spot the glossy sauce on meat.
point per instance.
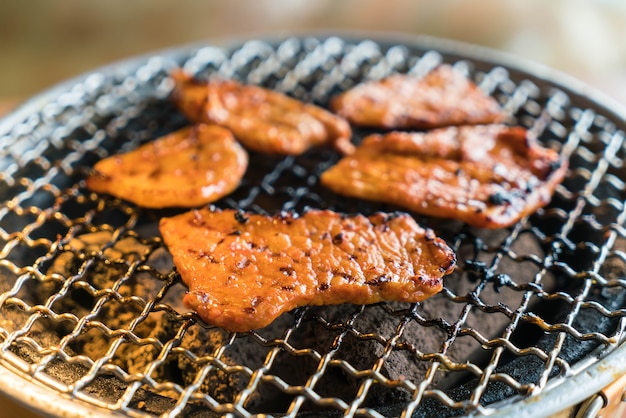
(442, 97)
(244, 270)
(261, 119)
(188, 168)
(487, 176)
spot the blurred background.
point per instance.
(44, 42)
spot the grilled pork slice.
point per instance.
(244, 270)
(188, 168)
(261, 119)
(487, 176)
(443, 97)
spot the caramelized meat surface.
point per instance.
(244, 270)
(487, 176)
(261, 119)
(188, 168)
(443, 97)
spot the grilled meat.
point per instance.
(443, 97)
(487, 176)
(244, 270)
(188, 168)
(261, 119)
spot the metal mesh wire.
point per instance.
(90, 303)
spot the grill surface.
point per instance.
(90, 303)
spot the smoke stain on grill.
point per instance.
(478, 270)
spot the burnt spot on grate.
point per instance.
(90, 303)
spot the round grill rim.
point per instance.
(611, 363)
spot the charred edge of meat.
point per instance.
(378, 280)
(554, 166)
(239, 217)
(500, 198)
(286, 216)
(287, 271)
(100, 175)
(350, 278)
(451, 263)
(429, 235)
(199, 254)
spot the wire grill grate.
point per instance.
(90, 305)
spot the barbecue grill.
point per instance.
(91, 322)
